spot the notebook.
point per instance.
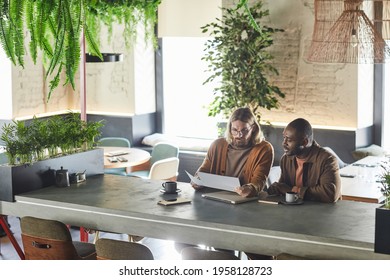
(228, 197)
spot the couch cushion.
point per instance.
(372, 150)
(184, 143)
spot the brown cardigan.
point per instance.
(321, 178)
(256, 168)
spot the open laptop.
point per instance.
(228, 197)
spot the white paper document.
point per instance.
(215, 181)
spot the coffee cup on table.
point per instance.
(291, 197)
(170, 187)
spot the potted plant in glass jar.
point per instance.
(382, 214)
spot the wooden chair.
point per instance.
(110, 249)
(51, 240)
(195, 253)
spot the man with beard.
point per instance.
(243, 153)
(306, 168)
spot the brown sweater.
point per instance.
(256, 168)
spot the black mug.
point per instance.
(170, 187)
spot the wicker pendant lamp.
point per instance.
(343, 33)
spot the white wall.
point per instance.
(185, 17)
(6, 86)
(326, 94)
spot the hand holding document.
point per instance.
(215, 181)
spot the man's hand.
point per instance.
(245, 191)
(196, 187)
(296, 189)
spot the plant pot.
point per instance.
(18, 179)
(382, 230)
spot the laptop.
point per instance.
(228, 197)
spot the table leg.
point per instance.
(83, 235)
(11, 237)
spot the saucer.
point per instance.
(299, 201)
(176, 192)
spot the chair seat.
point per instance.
(115, 171)
(140, 173)
(51, 240)
(110, 249)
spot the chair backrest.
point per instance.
(162, 151)
(114, 142)
(46, 240)
(110, 249)
(195, 253)
(274, 175)
(164, 169)
(341, 163)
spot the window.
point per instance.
(185, 97)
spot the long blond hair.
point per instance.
(245, 115)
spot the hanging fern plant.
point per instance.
(55, 28)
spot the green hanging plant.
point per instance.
(55, 28)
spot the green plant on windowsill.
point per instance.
(384, 178)
(55, 28)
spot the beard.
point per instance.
(240, 143)
(295, 151)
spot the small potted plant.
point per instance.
(385, 187)
(382, 214)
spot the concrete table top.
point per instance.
(344, 230)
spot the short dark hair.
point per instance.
(303, 128)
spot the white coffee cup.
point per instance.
(291, 197)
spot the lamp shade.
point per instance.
(343, 33)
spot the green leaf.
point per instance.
(6, 32)
(238, 57)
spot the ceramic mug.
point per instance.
(170, 187)
(291, 197)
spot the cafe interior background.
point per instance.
(161, 90)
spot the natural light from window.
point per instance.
(185, 98)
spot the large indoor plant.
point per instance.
(238, 58)
(55, 28)
(382, 214)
